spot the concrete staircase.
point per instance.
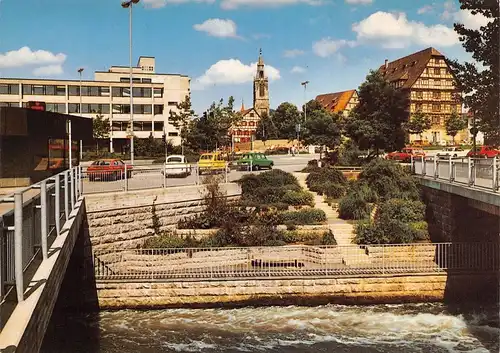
(341, 229)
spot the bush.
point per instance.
(397, 222)
(92, 156)
(303, 217)
(298, 198)
(389, 180)
(328, 238)
(333, 190)
(354, 206)
(170, 240)
(324, 175)
(312, 166)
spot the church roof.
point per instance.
(408, 68)
(335, 102)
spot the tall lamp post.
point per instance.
(129, 4)
(80, 71)
(305, 83)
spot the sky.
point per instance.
(330, 43)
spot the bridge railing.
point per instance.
(293, 261)
(473, 172)
(31, 219)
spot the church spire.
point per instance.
(261, 61)
(242, 106)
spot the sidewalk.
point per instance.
(342, 230)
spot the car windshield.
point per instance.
(101, 163)
(206, 157)
(247, 156)
(174, 160)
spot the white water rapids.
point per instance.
(422, 328)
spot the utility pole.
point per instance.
(305, 83)
(128, 5)
(80, 71)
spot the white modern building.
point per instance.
(154, 95)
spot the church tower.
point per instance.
(261, 89)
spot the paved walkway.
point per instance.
(341, 229)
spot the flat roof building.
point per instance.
(154, 95)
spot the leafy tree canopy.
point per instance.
(480, 83)
(377, 121)
(266, 129)
(455, 123)
(418, 123)
(322, 128)
(285, 117)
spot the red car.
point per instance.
(406, 154)
(483, 152)
(108, 170)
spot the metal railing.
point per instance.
(293, 261)
(32, 219)
(473, 172)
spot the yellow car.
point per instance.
(211, 162)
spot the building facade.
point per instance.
(339, 102)
(432, 91)
(154, 95)
(246, 128)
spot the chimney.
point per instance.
(386, 63)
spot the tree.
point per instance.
(418, 123)
(480, 83)
(266, 129)
(322, 128)
(211, 130)
(181, 119)
(100, 129)
(455, 123)
(377, 121)
(285, 117)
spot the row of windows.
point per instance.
(427, 95)
(447, 108)
(9, 89)
(9, 104)
(94, 108)
(138, 109)
(73, 90)
(434, 82)
(244, 123)
(44, 90)
(141, 126)
(135, 80)
(436, 71)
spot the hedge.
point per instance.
(303, 217)
(316, 179)
(354, 206)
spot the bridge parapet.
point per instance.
(32, 219)
(480, 173)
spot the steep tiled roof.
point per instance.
(335, 102)
(410, 67)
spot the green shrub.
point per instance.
(389, 180)
(298, 198)
(304, 216)
(406, 211)
(368, 233)
(333, 190)
(170, 240)
(328, 238)
(316, 179)
(354, 206)
(363, 190)
(277, 177)
(312, 166)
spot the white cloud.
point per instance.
(298, 70)
(327, 47)
(217, 27)
(359, 2)
(25, 56)
(292, 53)
(449, 10)
(234, 4)
(231, 71)
(425, 9)
(469, 20)
(49, 70)
(394, 30)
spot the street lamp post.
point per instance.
(80, 71)
(129, 4)
(305, 83)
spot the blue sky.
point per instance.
(331, 43)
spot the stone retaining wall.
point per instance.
(230, 293)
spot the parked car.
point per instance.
(212, 162)
(254, 159)
(108, 170)
(454, 152)
(484, 152)
(176, 165)
(406, 154)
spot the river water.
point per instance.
(424, 328)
